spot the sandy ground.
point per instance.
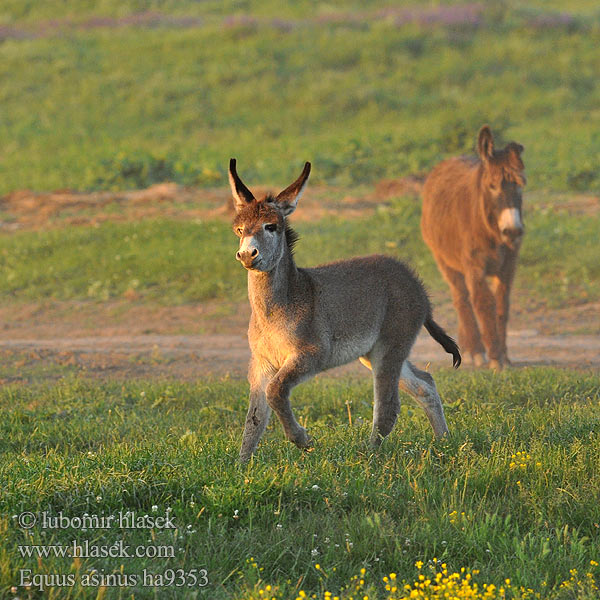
(189, 342)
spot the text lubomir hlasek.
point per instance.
(121, 520)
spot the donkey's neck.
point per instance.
(275, 290)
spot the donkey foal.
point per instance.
(305, 321)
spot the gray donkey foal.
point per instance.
(305, 321)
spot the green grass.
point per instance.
(99, 448)
(119, 108)
(30, 12)
(174, 262)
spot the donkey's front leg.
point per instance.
(293, 372)
(485, 309)
(501, 285)
(501, 293)
(258, 413)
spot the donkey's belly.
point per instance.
(346, 349)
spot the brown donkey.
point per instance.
(473, 224)
(305, 321)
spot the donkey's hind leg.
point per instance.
(421, 387)
(386, 374)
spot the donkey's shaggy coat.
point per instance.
(305, 321)
(473, 224)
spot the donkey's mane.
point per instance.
(291, 237)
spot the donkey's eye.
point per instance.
(271, 227)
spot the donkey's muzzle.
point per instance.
(512, 233)
(247, 257)
(512, 237)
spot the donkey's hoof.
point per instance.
(375, 443)
(376, 440)
(495, 364)
(478, 360)
(441, 433)
(302, 439)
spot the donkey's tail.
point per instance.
(442, 338)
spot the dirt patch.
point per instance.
(582, 204)
(126, 340)
(25, 209)
(191, 357)
(28, 210)
(411, 185)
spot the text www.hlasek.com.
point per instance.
(86, 550)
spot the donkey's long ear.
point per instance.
(241, 194)
(288, 199)
(516, 147)
(485, 143)
(516, 162)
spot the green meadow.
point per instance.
(174, 262)
(511, 494)
(278, 83)
(91, 99)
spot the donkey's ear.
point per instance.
(514, 158)
(517, 148)
(288, 199)
(485, 143)
(241, 194)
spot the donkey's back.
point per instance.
(371, 285)
(360, 302)
(450, 203)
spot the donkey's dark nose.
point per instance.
(246, 257)
(512, 233)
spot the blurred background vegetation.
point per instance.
(112, 95)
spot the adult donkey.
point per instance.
(307, 320)
(473, 224)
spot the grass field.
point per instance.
(173, 262)
(472, 501)
(111, 96)
(122, 106)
